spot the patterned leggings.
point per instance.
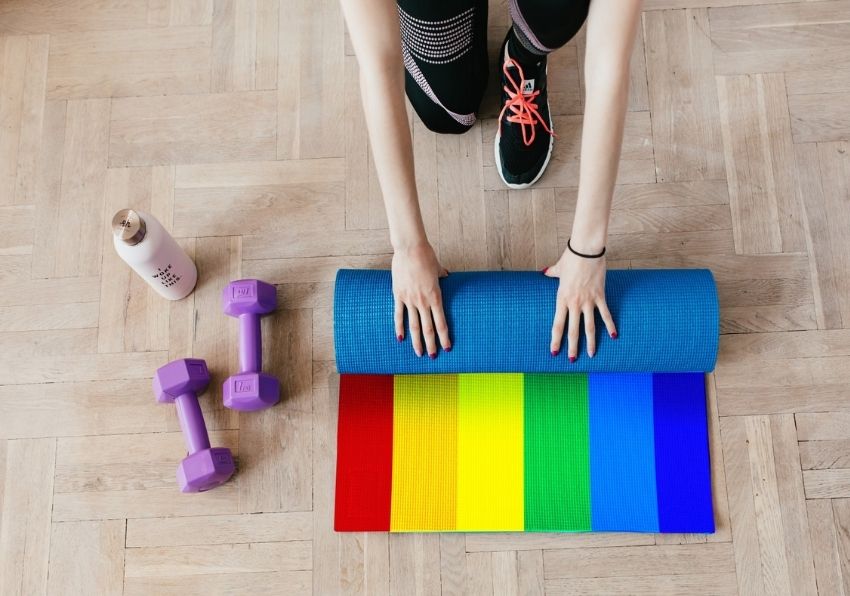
(444, 47)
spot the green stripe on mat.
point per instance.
(557, 460)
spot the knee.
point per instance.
(552, 22)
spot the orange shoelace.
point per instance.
(523, 108)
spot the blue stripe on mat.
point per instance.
(622, 453)
(683, 478)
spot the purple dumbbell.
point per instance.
(180, 382)
(251, 389)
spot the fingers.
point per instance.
(399, 320)
(428, 331)
(590, 330)
(607, 318)
(558, 327)
(442, 326)
(415, 329)
(573, 333)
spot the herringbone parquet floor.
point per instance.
(238, 124)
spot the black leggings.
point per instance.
(444, 46)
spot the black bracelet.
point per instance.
(579, 254)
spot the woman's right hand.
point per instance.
(416, 288)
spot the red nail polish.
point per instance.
(432, 356)
(400, 338)
(544, 270)
(614, 335)
(572, 359)
(449, 349)
(555, 352)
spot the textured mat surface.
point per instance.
(668, 320)
(523, 452)
(504, 437)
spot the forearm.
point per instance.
(374, 30)
(611, 29)
(392, 149)
(602, 138)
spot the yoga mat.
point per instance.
(667, 321)
(500, 435)
(523, 452)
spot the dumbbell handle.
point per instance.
(250, 343)
(192, 422)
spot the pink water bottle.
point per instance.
(149, 249)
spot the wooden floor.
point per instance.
(238, 124)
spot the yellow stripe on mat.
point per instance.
(490, 452)
(424, 491)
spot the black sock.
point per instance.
(520, 53)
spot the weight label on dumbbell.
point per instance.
(243, 291)
(242, 386)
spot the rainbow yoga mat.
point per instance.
(524, 451)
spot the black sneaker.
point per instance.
(525, 137)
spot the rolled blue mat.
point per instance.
(667, 321)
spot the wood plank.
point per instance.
(622, 561)
(244, 45)
(310, 101)
(682, 95)
(173, 561)
(823, 426)
(819, 117)
(118, 476)
(139, 62)
(821, 455)
(326, 542)
(77, 315)
(827, 484)
(44, 16)
(87, 557)
(783, 37)
(824, 184)
(81, 367)
(23, 67)
(272, 583)
(25, 519)
(185, 129)
(276, 443)
(215, 336)
(760, 166)
(824, 536)
(219, 529)
(462, 213)
(498, 541)
(841, 513)
(453, 577)
(649, 585)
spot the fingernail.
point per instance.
(544, 270)
(555, 352)
(572, 359)
(592, 354)
(400, 338)
(432, 356)
(449, 349)
(614, 335)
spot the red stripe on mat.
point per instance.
(364, 453)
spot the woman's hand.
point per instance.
(416, 288)
(580, 292)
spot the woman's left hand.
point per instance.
(580, 292)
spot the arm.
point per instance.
(374, 30)
(611, 27)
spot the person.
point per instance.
(435, 51)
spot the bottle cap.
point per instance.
(128, 227)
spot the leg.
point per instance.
(525, 136)
(542, 26)
(444, 46)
